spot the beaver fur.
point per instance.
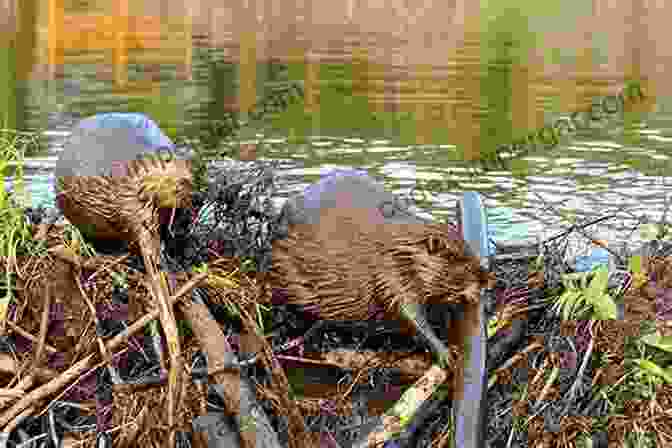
(109, 182)
(349, 264)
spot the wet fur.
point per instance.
(115, 207)
(349, 263)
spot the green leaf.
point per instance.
(598, 284)
(572, 309)
(658, 341)
(635, 264)
(494, 325)
(571, 281)
(604, 307)
(567, 301)
(654, 369)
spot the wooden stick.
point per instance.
(44, 324)
(12, 425)
(77, 369)
(210, 335)
(158, 284)
(25, 334)
(397, 418)
(101, 345)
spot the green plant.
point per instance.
(74, 240)
(247, 422)
(184, 328)
(263, 312)
(520, 423)
(248, 265)
(263, 315)
(519, 392)
(586, 297)
(537, 264)
(166, 110)
(584, 441)
(652, 372)
(494, 325)
(15, 230)
(119, 280)
(635, 266)
(639, 439)
(658, 341)
(651, 357)
(641, 378)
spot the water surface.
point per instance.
(415, 108)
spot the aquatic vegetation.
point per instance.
(15, 230)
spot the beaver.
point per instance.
(352, 248)
(110, 167)
(351, 251)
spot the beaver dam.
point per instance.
(82, 357)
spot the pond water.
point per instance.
(416, 126)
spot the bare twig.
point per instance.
(107, 267)
(582, 231)
(210, 335)
(131, 434)
(25, 334)
(101, 345)
(574, 227)
(511, 361)
(396, 419)
(547, 387)
(12, 424)
(44, 324)
(662, 226)
(14, 393)
(159, 289)
(80, 367)
(579, 375)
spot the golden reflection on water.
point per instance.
(469, 76)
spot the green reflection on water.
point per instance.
(8, 98)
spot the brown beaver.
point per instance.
(343, 258)
(109, 178)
